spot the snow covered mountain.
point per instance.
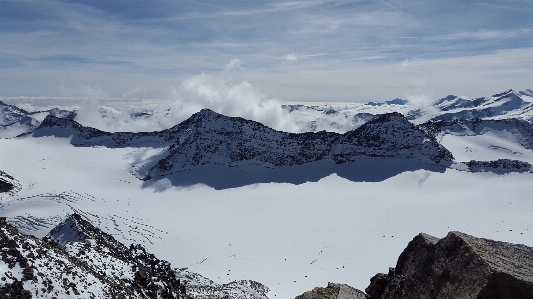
(208, 139)
(15, 121)
(78, 259)
(346, 116)
(509, 104)
(232, 199)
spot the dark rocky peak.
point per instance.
(457, 266)
(72, 229)
(391, 135)
(75, 228)
(8, 184)
(209, 121)
(511, 97)
(384, 127)
(51, 121)
(503, 94)
(68, 114)
(393, 119)
(13, 108)
(92, 269)
(454, 102)
(333, 291)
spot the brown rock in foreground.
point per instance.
(333, 291)
(458, 266)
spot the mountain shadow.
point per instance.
(364, 169)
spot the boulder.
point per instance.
(333, 291)
(457, 266)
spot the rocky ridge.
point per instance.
(78, 259)
(456, 266)
(211, 138)
(14, 121)
(508, 104)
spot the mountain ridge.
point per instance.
(98, 266)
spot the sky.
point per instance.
(312, 50)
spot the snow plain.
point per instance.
(289, 237)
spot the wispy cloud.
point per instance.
(484, 34)
(155, 46)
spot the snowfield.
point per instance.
(289, 237)
(322, 222)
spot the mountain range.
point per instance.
(230, 198)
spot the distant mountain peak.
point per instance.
(73, 229)
(52, 121)
(504, 93)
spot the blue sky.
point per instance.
(313, 50)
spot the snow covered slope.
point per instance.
(15, 121)
(485, 139)
(292, 226)
(509, 104)
(92, 263)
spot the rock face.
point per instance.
(15, 121)
(499, 166)
(457, 266)
(78, 260)
(8, 184)
(210, 138)
(333, 291)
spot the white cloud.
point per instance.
(291, 57)
(233, 65)
(230, 98)
(483, 34)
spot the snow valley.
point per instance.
(229, 198)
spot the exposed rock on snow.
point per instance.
(390, 135)
(15, 121)
(457, 266)
(92, 263)
(215, 139)
(499, 166)
(209, 139)
(8, 184)
(333, 291)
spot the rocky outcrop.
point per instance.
(210, 138)
(499, 166)
(333, 291)
(8, 185)
(457, 266)
(78, 260)
(215, 139)
(15, 121)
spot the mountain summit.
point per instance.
(92, 264)
(209, 138)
